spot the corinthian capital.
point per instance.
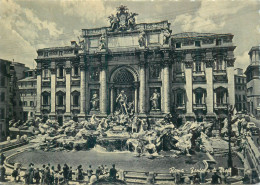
(230, 62)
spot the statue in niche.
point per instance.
(155, 100)
(166, 36)
(122, 100)
(94, 101)
(102, 41)
(141, 39)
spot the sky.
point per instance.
(28, 25)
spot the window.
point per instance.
(179, 97)
(60, 100)
(76, 71)
(178, 45)
(2, 81)
(219, 64)
(221, 96)
(46, 54)
(60, 53)
(76, 100)
(61, 71)
(2, 96)
(198, 66)
(31, 93)
(25, 103)
(244, 97)
(31, 103)
(198, 97)
(45, 73)
(238, 80)
(32, 84)
(178, 66)
(218, 42)
(45, 98)
(2, 112)
(197, 43)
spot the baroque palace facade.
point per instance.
(190, 75)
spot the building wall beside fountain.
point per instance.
(190, 75)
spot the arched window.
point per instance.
(46, 98)
(124, 76)
(60, 98)
(75, 98)
(220, 64)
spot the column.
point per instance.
(68, 94)
(166, 87)
(230, 76)
(53, 89)
(82, 87)
(209, 79)
(112, 99)
(136, 99)
(103, 86)
(142, 89)
(188, 77)
(39, 92)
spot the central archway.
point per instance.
(124, 79)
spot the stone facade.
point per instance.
(5, 78)
(17, 71)
(253, 82)
(240, 90)
(190, 75)
(27, 97)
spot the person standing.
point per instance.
(89, 172)
(37, 176)
(112, 172)
(98, 172)
(2, 158)
(215, 179)
(70, 174)
(2, 173)
(42, 174)
(65, 172)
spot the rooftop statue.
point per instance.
(123, 20)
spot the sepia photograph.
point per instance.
(129, 92)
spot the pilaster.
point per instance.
(53, 89)
(209, 61)
(68, 92)
(82, 114)
(188, 76)
(103, 85)
(166, 82)
(39, 92)
(142, 96)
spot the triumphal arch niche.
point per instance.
(127, 66)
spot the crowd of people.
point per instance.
(61, 174)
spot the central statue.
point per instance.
(122, 100)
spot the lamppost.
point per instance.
(230, 112)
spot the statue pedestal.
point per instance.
(156, 112)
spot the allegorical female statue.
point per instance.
(155, 100)
(94, 101)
